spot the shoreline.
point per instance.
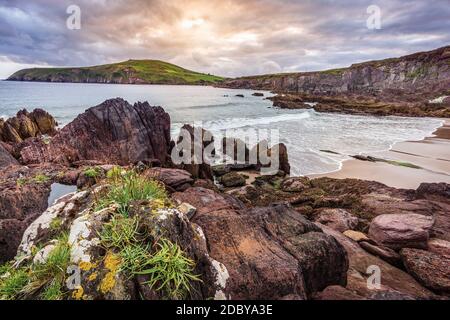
(412, 163)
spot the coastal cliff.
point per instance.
(127, 72)
(426, 73)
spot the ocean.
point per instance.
(307, 134)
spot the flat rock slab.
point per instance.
(397, 231)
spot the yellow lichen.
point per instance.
(85, 266)
(93, 277)
(111, 263)
(78, 293)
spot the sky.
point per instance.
(223, 37)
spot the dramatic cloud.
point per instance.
(226, 37)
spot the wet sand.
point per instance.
(431, 154)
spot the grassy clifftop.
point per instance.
(127, 72)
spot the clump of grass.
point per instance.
(43, 280)
(41, 178)
(56, 224)
(131, 187)
(120, 232)
(170, 271)
(92, 172)
(50, 276)
(134, 257)
(12, 283)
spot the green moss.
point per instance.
(21, 182)
(92, 172)
(56, 224)
(41, 178)
(403, 164)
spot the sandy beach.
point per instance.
(432, 155)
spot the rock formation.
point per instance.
(113, 132)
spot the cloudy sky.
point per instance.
(223, 37)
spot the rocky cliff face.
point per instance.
(425, 72)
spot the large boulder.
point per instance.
(232, 179)
(398, 231)
(271, 252)
(175, 179)
(430, 269)
(114, 132)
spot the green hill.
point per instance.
(127, 72)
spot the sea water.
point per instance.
(307, 134)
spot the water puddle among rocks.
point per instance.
(59, 190)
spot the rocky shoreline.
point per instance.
(237, 235)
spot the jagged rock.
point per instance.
(398, 231)
(232, 179)
(262, 248)
(439, 246)
(337, 219)
(384, 253)
(113, 132)
(258, 94)
(176, 179)
(392, 278)
(27, 125)
(236, 149)
(278, 150)
(202, 141)
(430, 269)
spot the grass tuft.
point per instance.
(131, 187)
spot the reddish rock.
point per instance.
(113, 132)
(175, 179)
(338, 219)
(392, 278)
(439, 246)
(6, 159)
(398, 231)
(269, 253)
(337, 293)
(430, 269)
(11, 231)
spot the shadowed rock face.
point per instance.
(6, 159)
(114, 132)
